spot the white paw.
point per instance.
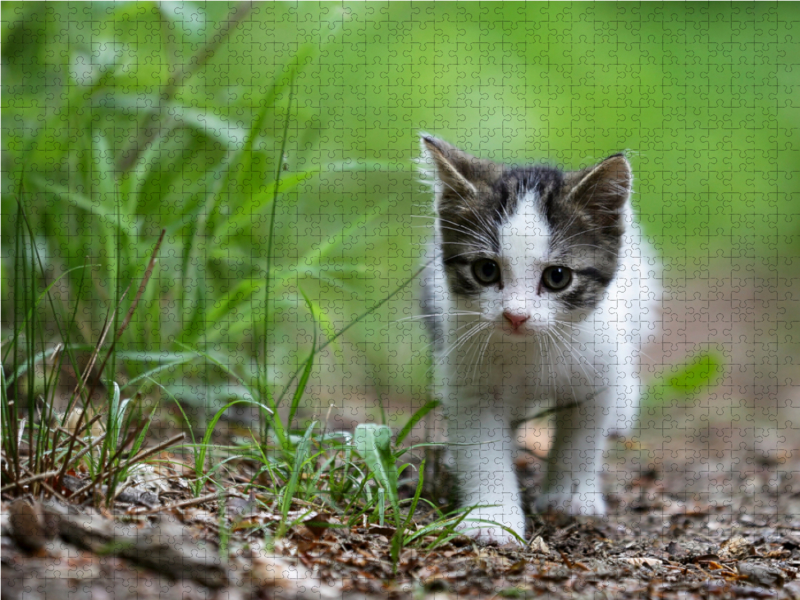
(587, 503)
(484, 526)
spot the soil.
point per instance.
(167, 544)
(704, 504)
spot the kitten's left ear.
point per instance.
(604, 189)
(461, 173)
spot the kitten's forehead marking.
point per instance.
(525, 237)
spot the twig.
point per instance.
(28, 480)
(182, 504)
(79, 388)
(95, 442)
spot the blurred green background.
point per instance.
(126, 118)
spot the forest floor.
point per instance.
(706, 504)
(732, 532)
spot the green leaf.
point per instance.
(703, 371)
(374, 443)
(108, 215)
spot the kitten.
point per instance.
(537, 301)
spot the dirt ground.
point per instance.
(704, 503)
(654, 544)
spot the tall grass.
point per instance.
(228, 259)
(39, 444)
(317, 471)
(224, 275)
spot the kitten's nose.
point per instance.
(515, 320)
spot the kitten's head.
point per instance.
(527, 247)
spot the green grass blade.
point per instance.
(291, 486)
(417, 494)
(415, 418)
(38, 301)
(270, 240)
(361, 317)
(155, 370)
(200, 459)
(301, 387)
(224, 368)
(109, 215)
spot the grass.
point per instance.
(228, 258)
(192, 81)
(40, 446)
(308, 468)
(331, 471)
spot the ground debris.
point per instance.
(53, 550)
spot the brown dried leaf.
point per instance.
(736, 548)
(27, 525)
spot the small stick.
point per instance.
(31, 479)
(181, 504)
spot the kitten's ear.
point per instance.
(603, 189)
(457, 172)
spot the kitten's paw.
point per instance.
(490, 533)
(589, 503)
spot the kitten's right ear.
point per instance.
(602, 190)
(456, 171)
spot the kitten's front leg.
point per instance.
(576, 459)
(483, 448)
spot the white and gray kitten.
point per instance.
(537, 299)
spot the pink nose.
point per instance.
(515, 320)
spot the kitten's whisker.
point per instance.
(459, 340)
(474, 350)
(461, 253)
(478, 231)
(417, 318)
(484, 346)
(567, 374)
(573, 350)
(581, 326)
(551, 374)
(439, 314)
(463, 340)
(454, 331)
(461, 333)
(476, 234)
(564, 229)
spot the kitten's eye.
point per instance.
(486, 271)
(556, 278)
